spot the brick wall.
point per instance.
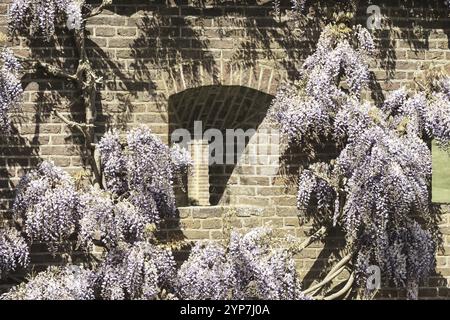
(167, 65)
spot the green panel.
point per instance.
(441, 175)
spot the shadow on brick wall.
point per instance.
(219, 108)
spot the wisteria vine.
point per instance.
(144, 170)
(250, 267)
(56, 283)
(40, 17)
(376, 189)
(10, 86)
(54, 209)
(13, 251)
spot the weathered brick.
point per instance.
(196, 234)
(252, 222)
(256, 180)
(126, 32)
(287, 211)
(120, 42)
(212, 224)
(253, 201)
(216, 235)
(191, 224)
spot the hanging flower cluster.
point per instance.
(56, 283)
(13, 250)
(47, 201)
(53, 209)
(138, 271)
(41, 16)
(377, 187)
(114, 165)
(316, 195)
(181, 160)
(107, 221)
(144, 171)
(338, 55)
(10, 86)
(306, 110)
(131, 271)
(387, 186)
(301, 117)
(444, 86)
(422, 115)
(208, 274)
(437, 121)
(250, 267)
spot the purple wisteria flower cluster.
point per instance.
(56, 283)
(53, 208)
(316, 195)
(47, 201)
(137, 271)
(10, 87)
(383, 200)
(144, 170)
(140, 190)
(249, 268)
(41, 17)
(208, 274)
(114, 164)
(376, 189)
(338, 56)
(106, 221)
(422, 115)
(13, 250)
(97, 219)
(130, 271)
(301, 117)
(181, 160)
(444, 86)
(437, 121)
(306, 110)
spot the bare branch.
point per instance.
(99, 9)
(72, 124)
(330, 277)
(297, 248)
(88, 81)
(344, 290)
(421, 86)
(56, 71)
(334, 272)
(51, 69)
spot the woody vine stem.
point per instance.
(87, 83)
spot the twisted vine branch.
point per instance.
(344, 290)
(334, 272)
(98, 10)
(297, 248)
(87, 83)
(49, 68)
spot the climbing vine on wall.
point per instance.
(375, 190)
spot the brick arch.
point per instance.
(222, 107)
(187, 75)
